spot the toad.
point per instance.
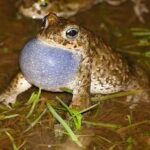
(64, 54)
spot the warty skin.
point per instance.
(101, 70)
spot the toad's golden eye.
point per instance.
(72, 33)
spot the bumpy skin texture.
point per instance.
(101, 69)
(63, 8)
(67, 8)
(17, 86)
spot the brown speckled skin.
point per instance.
(53, 34)
(68, 8)
(65, 8)
(17, 86)
(102, 70)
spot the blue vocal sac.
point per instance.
(47, 67)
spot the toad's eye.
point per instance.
(72, 33)
(44, 4)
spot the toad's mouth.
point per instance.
(48, 67)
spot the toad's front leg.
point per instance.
(17, 86)
(81, 92)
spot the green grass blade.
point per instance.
(75, 115)
(147, 54)
(12, 140)
(89, 108)
(32, 98)
(64, 89)
(141, 34)
(64, 124)
(133, 125)
(130, 143)
(3, 117)
(119, 94)
(64, 105)
(77, 118)
(105, 125)
(129, 119)
(35, 102)
(139, 29)
(36, 121)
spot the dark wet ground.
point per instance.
(112, 23)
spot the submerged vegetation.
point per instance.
(22, 120)
(142, 40)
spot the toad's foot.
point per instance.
(17, 86)
(8, 99)
(139, 9)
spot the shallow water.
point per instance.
(112, 24)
